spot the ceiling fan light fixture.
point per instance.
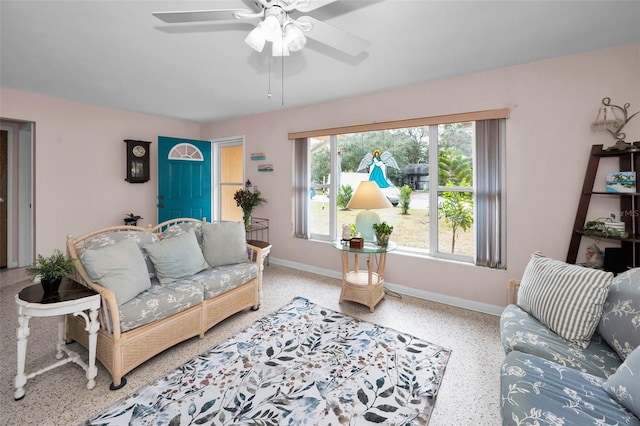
(256, 38)
(280, 47)
(294, 38)
(271, 28)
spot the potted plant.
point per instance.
(382, 230)
(51, 270)
(605, 227)
(132, 219)
(248, 200)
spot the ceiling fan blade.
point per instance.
(334, 37)
(200, 15)
(313, 5)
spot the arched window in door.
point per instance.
(185, 152)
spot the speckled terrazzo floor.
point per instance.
(469, 394)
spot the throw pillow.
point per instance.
(620, 322)
(182, 228)
(624, 384)
(224, 243)
(177, 257)
(566, 298)
(119, 267)
(108, 238)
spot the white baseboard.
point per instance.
(408, 291)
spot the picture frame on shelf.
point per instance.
(618, 182)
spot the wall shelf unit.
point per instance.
(628, 160)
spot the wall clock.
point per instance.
(137, 161)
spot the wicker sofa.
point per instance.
(166, 304)
(549, 380)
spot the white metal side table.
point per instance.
(71, 298)
(365, 287)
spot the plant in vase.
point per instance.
(605, 227)
(51, 270)
(248, 200)
(132, 219)
(382, 230)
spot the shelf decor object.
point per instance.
(613, 118)
(621, 182)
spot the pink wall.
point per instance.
(80, 164)
(80, 160)
(552, 105)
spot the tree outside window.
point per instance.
(440, 213)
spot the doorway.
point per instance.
(17, 190)
(229, 160)
(184, 178)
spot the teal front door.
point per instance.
(184, 178)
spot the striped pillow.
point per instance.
(568, 299)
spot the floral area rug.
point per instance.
(301, 365)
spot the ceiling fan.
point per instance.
(274, 23)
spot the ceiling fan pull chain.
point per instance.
(269, 62)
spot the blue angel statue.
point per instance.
(377, 162)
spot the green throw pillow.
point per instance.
(567, 298)
(224, 243)
(176, 257)
(120, 267)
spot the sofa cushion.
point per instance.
(142, 238)
(182, 228)
(177, 257)
(624, 386)
(620, 322)
(520, 331)
(158, 302)
(221, 279)
(538, 391)
(119, 267)
(566, 298)
(224, 243)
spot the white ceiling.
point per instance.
(116, 54)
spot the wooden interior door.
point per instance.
(3, 197)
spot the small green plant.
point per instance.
(598, 227)
(56, 266)
(353, 231)
(405, 198)
(132, 217)
(344, 196)
(457, 210)
(382, 228)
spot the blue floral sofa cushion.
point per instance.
(160, 301)
(520, 331)
(536, 391)
(220, 279)
(620, 322)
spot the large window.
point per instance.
(444, 184)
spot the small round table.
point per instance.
(71, 298)
(364, 287)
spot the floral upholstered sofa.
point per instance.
(572, 339)
(162, 285)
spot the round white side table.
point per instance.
(71, 298)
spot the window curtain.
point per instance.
(490, 194)
(301, 187)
